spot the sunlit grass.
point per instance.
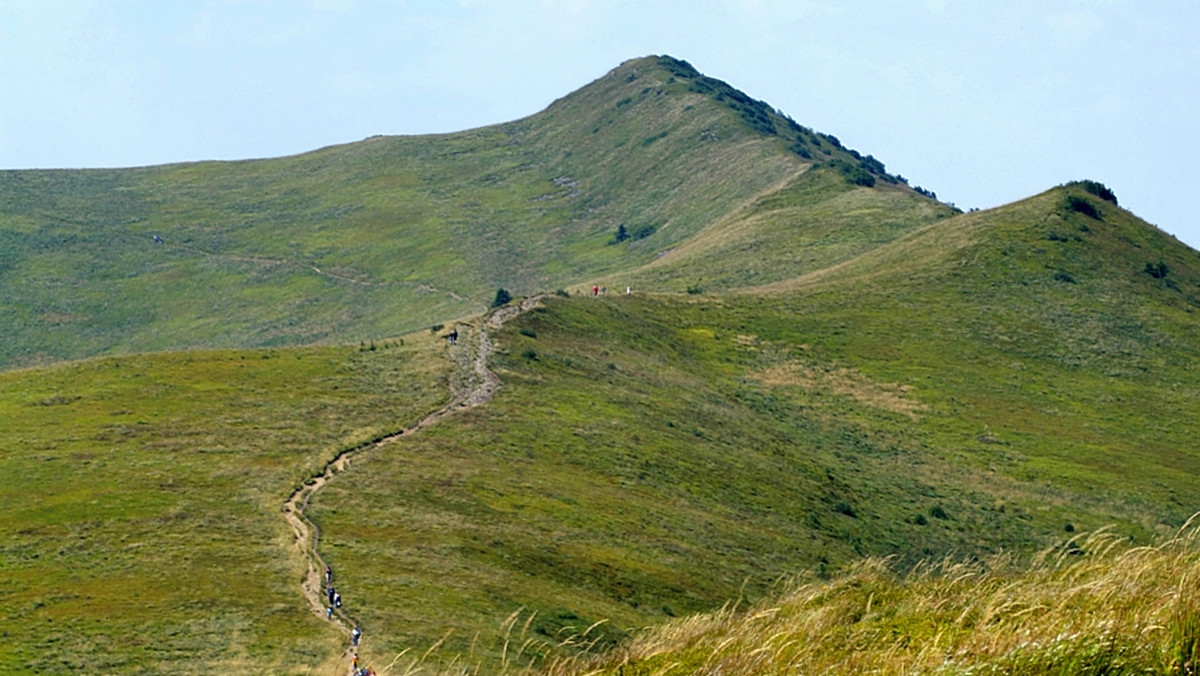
(389, 234)
(140, 525)
(1093, 605)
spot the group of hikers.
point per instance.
(598, 290)
(335, 601)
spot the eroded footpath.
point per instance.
(472, 384)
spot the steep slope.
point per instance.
(811, 222)
(950, 393)
(393, 233)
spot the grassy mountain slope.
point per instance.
(139, 502)
(654, 455)
(1096, 608)
(648, 455)
(371, 239)
(815, 220)
(882, 378)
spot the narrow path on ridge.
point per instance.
(471, 383)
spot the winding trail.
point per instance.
(471, 384)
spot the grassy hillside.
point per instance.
(855, 370)
(1097, 608)
(652, 456)
(394, 233)
(813, 221)
(139, 502)
(994, 381)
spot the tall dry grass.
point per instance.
(1093, 605)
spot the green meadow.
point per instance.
(140, 525)
(823, 381)
(393, 234)
(656, 455)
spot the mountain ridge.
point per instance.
(811, 370)
(370, 239)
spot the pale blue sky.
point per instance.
(982, 101)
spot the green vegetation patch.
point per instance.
(140, 528)
(1093, 607)
(650, 456)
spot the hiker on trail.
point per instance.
(331, 594)
(329, 613)
(328, 575)
(595, 290)
(355, 635)
(627, 290)
(604, 291)
(337, 600)
(356, 663)
(452, 338)
(157, 239)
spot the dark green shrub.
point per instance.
(1083, 206)
(525, 331)
(502, 297)
(530, 354)
(694, 289)
(800, 149)
(938, 513)
(1157, 271)
(846, 508)
(562, 292)
(621, 236)
(853, 173)
(436, 327)
(1098, 189)
(1064, 276)
(872, 165)
(643, 232)
(678, 67)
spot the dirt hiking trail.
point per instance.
(471, 384)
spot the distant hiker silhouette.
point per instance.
(452, 337)
(595, 290)
(355, 635)
(328, 575)
(157, 239)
